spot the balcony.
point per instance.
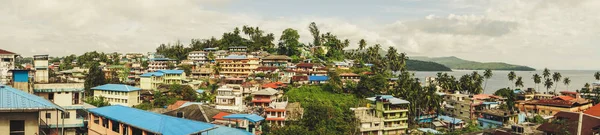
(395, 118)
(395, 127)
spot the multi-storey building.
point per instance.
(385, 115)
(549, 107)
(151, 80)
(237, 65)
(228, 99)
(459, 105)
(349, 77)
(198, 56)
(160, 64)
(276, 61)
(121, 120)
(265, 97)
(310, 69)
(40, 62)
(69, 96)
(496, 118)
(118, 94)
(238, 49)
(20, 112)
(7, 62)
(276, 113)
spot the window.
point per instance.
(115, 126)
(59, 92)
(17, 127)
(105, 123)
(125, 130)
(66, 115)
(96, 119)
(179, 114)
(48, 115)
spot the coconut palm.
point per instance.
(548, 83)
(487, 74)
(511, 76)
(566, 81)
(546, 73)
(556, 77)
(537, 79)
(519, 82)
(597, 76)
(362, 44)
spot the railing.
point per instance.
(42, 127)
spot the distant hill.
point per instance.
(457, 63)
(417, 65)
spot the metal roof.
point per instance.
(14, 99)
(235, 57)
(317, 78)
(161, 124)
(390, 98)
(250, 117)
(152, 74)
(449, 119)
(429, 130)
(116, 87)
(267, 91)
(200, 91)
(171, 71)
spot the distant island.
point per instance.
(461, 64)
(417, 65)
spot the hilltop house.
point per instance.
(152, 80)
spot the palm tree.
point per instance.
(519, 82)
(362, 44)
(487, 74)
(556, 77)
(597, 76)
(566, 81)
(548, 83)
(537, 79)
(511, 76)
(546, 73)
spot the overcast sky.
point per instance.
(558, 34)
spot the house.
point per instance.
(238, 49)
(237, 65)
(20, 112)
(118, 119)
(300, 79)
(275, 113)
(384, 115)
(251, 120)
(342, 65)
(68, 96)
(249, 87)
(198, 57)
(228, 99)
(118, 94)
(569, 122)
(201, 71)
(7, 62)
(152, 80)
(451, 122)
(40, 62)
(549, 107)
(310, 69)
(594, 110)
(495, 118)
(160, 63)
(317, 79)
(202, 113)
(274, 85)
(265, 97)
(459, 105)
(350, 77)
(276, 61)
(176, 105)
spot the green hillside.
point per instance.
(457, 63)
(416, 65)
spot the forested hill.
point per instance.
(457, 63)
(417, 65)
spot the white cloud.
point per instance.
(539, 33)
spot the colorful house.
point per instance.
(118, 94)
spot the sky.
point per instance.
(557, 34)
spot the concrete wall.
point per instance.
(57, 119)
(30, 118)
(146, 83)
(115, 98)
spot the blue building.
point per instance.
(118, 119)
(496, 118)
(317, 79)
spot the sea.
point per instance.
(500, 79)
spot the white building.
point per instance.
(197, 56)
(68, 96)
(228, 99)
(40, 62)
(118, 94)
(7, 62)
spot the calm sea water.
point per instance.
(500, 79)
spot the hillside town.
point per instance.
(237, 91)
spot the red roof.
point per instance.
(264, 100)
(274, 85)
(2, 51)
(594, 110)
(275, 119)
(299, 78)
(220, 115)
(176, 105)
(568, 92)
(305, 65)
(481, 96)
(565, 98)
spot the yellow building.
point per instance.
(68, 96)
(386, 116)
(19, 112)
(549, 107)
(151, 81)
(237, 65)
(118, 94)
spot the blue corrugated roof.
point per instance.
(429, 130)
(116, 87)
(200, 91)
(250, 117)
(489, 121)
(449, 119)
(152, 74)
(171, 71)
(14, 99)
(158, 123)
(317, 78)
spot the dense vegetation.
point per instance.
(457, 63)
(417, 65)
